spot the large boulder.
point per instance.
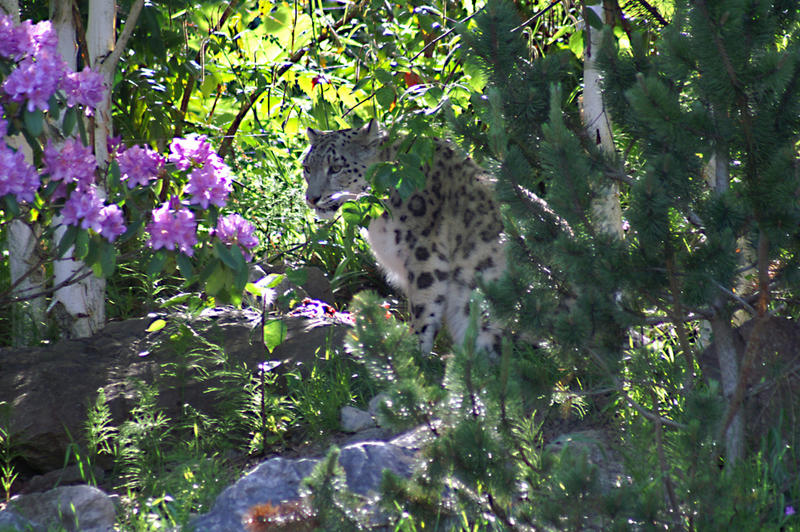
(79, 508)
(277, 481)
(48, 390)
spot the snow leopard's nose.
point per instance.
(312, 200)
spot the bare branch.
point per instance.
(109, 64)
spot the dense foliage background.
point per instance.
(611, 334)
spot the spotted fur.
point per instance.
(435, 244)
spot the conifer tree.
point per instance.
(716, 92)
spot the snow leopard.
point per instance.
(434, 245)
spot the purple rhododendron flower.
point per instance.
(173, 227)
(139, 165)
(84, 88)
(74, 162)
(82, 208)
(42, 39)
(210, 183)
(194, 150)
(233, 229)
(35, 80)
(17, 177)
(789, 510)
(9, 37)
(114, 145)
(112, 223)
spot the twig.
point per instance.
(537, 15)
(227, 141)
(662, 461)
(109, 64)
(631, 401)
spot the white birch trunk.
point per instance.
(78, 307)
(100, 37)
(28, 316)
(606, 210)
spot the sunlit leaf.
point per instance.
(274, 333)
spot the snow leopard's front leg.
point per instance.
(428, 281)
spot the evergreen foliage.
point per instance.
(616, 320)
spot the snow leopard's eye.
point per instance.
(334, 169)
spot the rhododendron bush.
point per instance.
(173, 202)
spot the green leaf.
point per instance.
(53, 108)
(156, 263)
(385, 96)
(184, 265)
(176, 300)
(67, 239)
(34, 121)
(593, 19)
(223, 252)
(274, 333)
(272, 280)
(70, 120)
(11, 205)
(576, 43)
(114, 175)
(81, 244)
(157, 325)
(108, 259)
(218, 279)
(384, 77)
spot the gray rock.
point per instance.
(71, 508)
(50, 388)
(354, 420)
(12, 521)
(278, 480)
(375, 408)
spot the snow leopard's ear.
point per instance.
(371, 135)
(313, 134)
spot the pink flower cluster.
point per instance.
(233, 229)
(139, 165)
(173, 226)
(16, 176)
(74, 162)
(85, 209)
(210, 178)
(41, 71)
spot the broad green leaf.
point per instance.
(223, 252)
(274, 333)
(184, 265)
(67, 239)
(593, 19)
(156, 263)
(385, 96)
(81, 244)
(157, 325)
(11, 205)
(70, 120)
(34, 121)
(108, 259)
(217, 281)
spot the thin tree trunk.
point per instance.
(722, 330)
(79, 308)
(606, 210)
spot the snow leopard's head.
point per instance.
(335, 164)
